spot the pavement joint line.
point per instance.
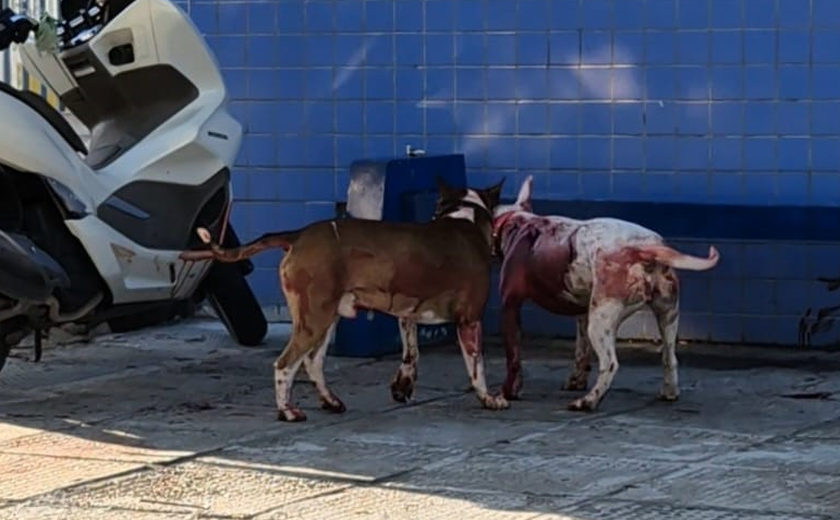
(709, 507)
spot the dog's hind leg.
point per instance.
(666, 308)
(403, 382)
(314, 365)
(512, 329)
(604, 318)
(285, 368)
(583, 352)
(469, 337)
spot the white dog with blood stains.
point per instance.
(600, 270)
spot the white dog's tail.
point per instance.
(677, 260)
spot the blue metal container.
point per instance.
(398, 190)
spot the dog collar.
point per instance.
(498, 226)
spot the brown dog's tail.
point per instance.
(677, 260)
(281, 240)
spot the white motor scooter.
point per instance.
(92, 234)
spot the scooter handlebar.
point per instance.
(14, 28)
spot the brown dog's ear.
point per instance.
(493, 193)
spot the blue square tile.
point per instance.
(628, 48)
(531, 49)
(379, 51)
(262, 118)
(824, 261)
(319, 17)
(408, 15)
(320, 83)
(628, 118)
(661, 153)
(348, 148)
(563, 84)
(694, 14)
(236, 83)
(261, 84)
(629, 14)
(441, 120)
(660, 15)
(379, 118)
(693, 153)
(725, 187)
(628, 186)
(205, 18)
(596, 48)
(564, 118)
(501, 49)
(728, 295)
(692, 47)
(760, 118)
(825, 154)
(241, 182)
(660, 83)
(794, 46)
(501, 83)
(726, 47)
(793, 188)
(726, 82)
(596, 14)
(825, 189)
(349, 16)
(826, 13)
(532, 84)
(501, 15)
(290, 17)
(533, 15)
(596, 84)
(762, 260)
(501, 118)
(470, 84)
(628, 154)
(692, 119)
(595, 119)
(793, 118)
(660, 186)
(409, 119)
(469, 15)
(660, 118)
(563, 185)
(260, 149)
(379, 15)
(760, 47)
(261, 17)
(596, 185)
(726, 154)
(760, 154)
(261, 51)
(469, 117)
(408, 49)
(409, 84)
(533, 153)
(760, 296)
(320, 117)
(760, 188)
(760, 13)
(229, 50)
(693, 186)
(440, 83)
(792, 259)
(693, 83)
(532, 118)
(320, 150)
(826, 46)
(725, 14)
(731, 260)
(694, 295)
(319, 186)
(319, 51)
(441, 49)
(290, 84)
(793, 154)
(564, 48)
(661, 47)
(760, 82)
(291, 151)
(727, 118)
(349, 118)
(470, 48)
(440, 15)
(502, 154)
(793, 297)
(379, 83)
(232, 18)
(825, 80)
(825, 118)
(595, 153)
(762, 330)
(793, 13)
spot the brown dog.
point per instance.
(429, 273)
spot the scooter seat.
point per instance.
(50, 114)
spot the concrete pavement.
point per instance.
(178, 422)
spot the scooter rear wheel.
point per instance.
(231, 297)
(8, 327)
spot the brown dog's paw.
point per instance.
(402, 388)
(511, 389)
(574, 384)
(291, 414)
(581, 405)
(333, 404)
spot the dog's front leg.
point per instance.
(511, 328)
(469, 337)
(583, 352)
(402, 384)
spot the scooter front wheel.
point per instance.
(233, 300)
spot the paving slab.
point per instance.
(749, 489)
(621, 510)
(797, 454)
(27, 512)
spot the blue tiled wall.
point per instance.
(711, 101)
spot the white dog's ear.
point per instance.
(523, 200)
